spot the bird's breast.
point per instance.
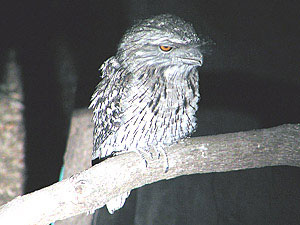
(159, 115)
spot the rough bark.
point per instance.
(78, 155)
(90, 189)
(11, 131)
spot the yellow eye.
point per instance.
(165, 48)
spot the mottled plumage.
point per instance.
(149, 91)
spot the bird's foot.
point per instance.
(160, 150)
(143, 153)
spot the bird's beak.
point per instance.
(193, 57)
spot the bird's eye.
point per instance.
(165, 48)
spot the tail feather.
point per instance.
(117, 203)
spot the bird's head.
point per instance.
(158, 42)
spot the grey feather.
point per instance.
(148, 94)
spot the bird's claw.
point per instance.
(167, 169)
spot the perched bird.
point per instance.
(149, 91)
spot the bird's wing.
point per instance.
(106, 104)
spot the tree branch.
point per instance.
(90, 189)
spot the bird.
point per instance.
(149, 92)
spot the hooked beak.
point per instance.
(192, 56)
(195, 61)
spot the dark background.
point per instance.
(250, 79)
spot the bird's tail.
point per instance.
(117, 203)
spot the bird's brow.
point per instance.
(126, 49)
